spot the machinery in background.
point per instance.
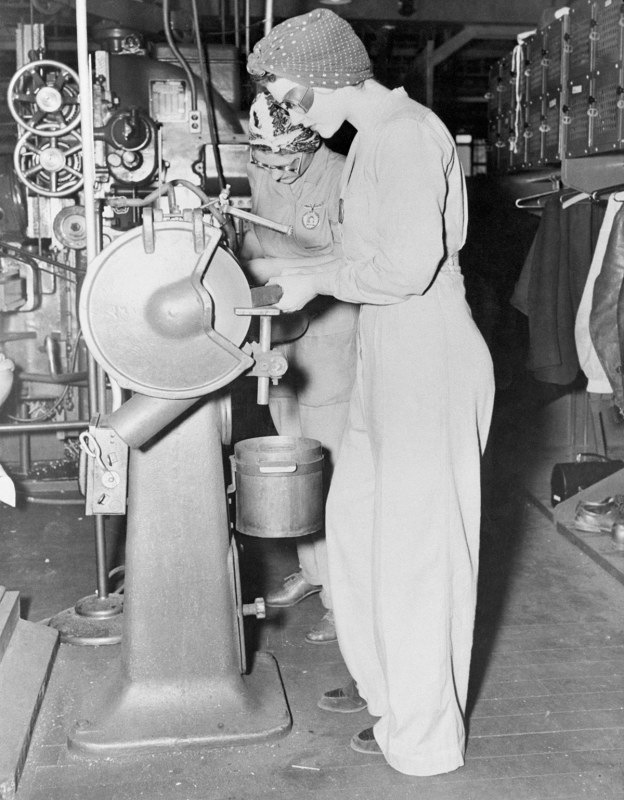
(164, 309)
(153, 121)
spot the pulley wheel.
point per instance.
(70, 227)
(142, 318)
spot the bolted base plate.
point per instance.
(91, 621)
(216, 711)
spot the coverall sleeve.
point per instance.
(407, 211)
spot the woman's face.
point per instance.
(283, 167)
(325, 114)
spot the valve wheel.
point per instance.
(44, 98)
(49, 164)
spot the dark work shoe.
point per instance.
(365, 742)
(294, 589)
(343, 701)
(598, 517)
(324, 631)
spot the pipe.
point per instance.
(204, 69)
(268, 16)
(247, 27)
(88, 165)
(178, 55)
(236, 25)
(223, 21)
(24, 445)
(96, 374)
(43, 427)
(141, 418)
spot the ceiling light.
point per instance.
(335, 2)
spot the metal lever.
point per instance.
(269, 365)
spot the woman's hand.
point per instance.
(259, 270)
(298, 290)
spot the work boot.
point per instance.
(365, 742)
(294, 589)
(599, 517)
(617, 534)
(343, 701)
(324, 631)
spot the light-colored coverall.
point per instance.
(403, 511)
(312, 399)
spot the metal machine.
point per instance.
(168, 330)
(111, 210)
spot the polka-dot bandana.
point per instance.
(315, 49)
(270, 127)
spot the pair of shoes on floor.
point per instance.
(324, 631)
(601, 516)
(294, 589)
(343, 701)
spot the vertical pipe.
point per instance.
(268, 16)
(429, 71)
(24, 443)
(262, 397)
(236, 25)
(96, 374)
(247, 27)
(223, 20)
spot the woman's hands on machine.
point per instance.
(302, 284)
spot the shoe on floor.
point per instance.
(365, 742)
(294, 589)
(344, 701)
(599, 517)
(324, 631)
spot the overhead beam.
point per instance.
(460, 12)
(435, 56)
(147, 16)
(471, 32)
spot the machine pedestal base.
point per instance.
(218, 711)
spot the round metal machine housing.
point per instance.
(145, 322)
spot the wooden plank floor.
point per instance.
(547, 694)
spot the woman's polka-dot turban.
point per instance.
(270, 127)
(315, 49)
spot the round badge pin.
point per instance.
(310, 219)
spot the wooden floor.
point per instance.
(547, 699)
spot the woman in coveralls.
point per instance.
(295, 180)
(403, 510)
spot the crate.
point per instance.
(555, 134)
(581, 39)
(535, 66)
(607, 34)
(534, 133)
(608, 100)
(556, 42)
(575, 115)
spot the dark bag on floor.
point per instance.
(571, 477)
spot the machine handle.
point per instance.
(279, 466)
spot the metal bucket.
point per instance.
(279, 486)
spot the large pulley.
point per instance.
(44, 98)
(157, 310)
(49, 164)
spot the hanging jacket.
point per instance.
(603, 319)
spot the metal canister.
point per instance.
(279, 486)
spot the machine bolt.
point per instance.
(255, 609)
